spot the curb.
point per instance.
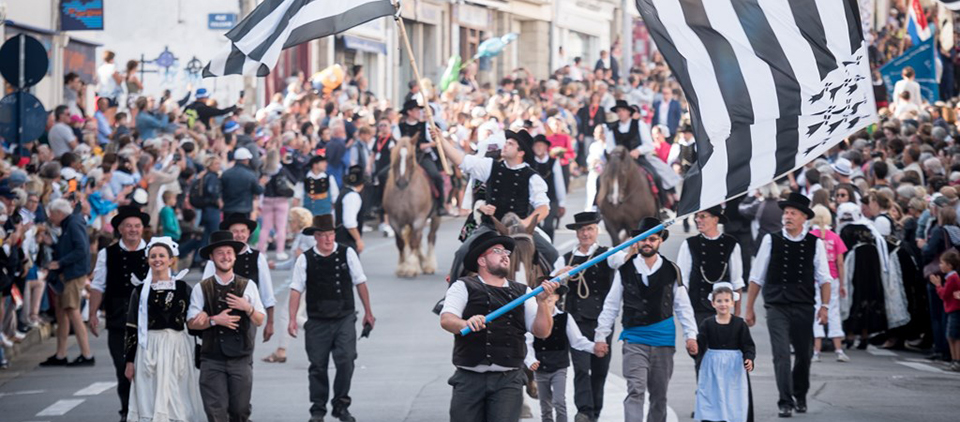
(34, 337)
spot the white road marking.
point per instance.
(880, 352)
(60, 407)
(613, 394)
(21, 393)
(96, 388)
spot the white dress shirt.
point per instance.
(351, 208)
(455, 302)
(299, 275)
(821, 269)
(614, 261)
(99, 282)
(250, 293)
(574, 337)
(263, 271)
(611, 305)
(559, 187)
(481, 167)
(734, 264)
(646, 141)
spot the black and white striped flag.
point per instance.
(256, 42)
(771, 85)
(951, 4)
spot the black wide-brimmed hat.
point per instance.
(798, 201)
(354, 176)
(321, 223)
(621, 104)
(525, 141)
(716, 211)
(542, 139)
(649, 223)
(410, 105)
(220, 238)
(582, 219)
(236, 218)
(484, 242)
(129, 211)
(316, 158)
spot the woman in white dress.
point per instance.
(159, 352)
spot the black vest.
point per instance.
(503, 342)
(222, 343)
(790, 273)
(645, 305)
(418, 129)
(329, 285)
(710, 259)
(597, 278)
(317, 186)
(509, 190)
(631, 139)
(247, 266)
(121, 264)
(545, 170)
(554, 352)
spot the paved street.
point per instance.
(403, 367)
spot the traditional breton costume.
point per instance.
(519, 190)
(635, 135)
(251, 264)
(382, 147)
(551, 172)
(583, 302)
(419, 133)
(650, 298)
(788, 269)
(706, 261)
(328, 282)
(349, 208)
(166, 381)
(112, 277)
(226, 356)
(487, 385)
(723, 386)
(318, 192)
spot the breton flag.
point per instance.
(917, 23)
(951, 4)
(256, 42)
(771, 85)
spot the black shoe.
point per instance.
(801, 406)
(83, 361)
(785, 411)
(54, 361)
(863, 345)
(317, 418)
(343, 415)
(934, 357)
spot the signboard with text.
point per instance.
(221, 20)
(81, 15)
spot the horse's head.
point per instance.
(523, 261)
(403, 162)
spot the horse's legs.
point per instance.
(430, 263)
(401, 251)
(416, 254)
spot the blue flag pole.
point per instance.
(563, 277)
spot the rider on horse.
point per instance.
(634, 134)
(414, 127)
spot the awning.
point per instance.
(364, 44)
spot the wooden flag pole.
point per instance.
(426, 105)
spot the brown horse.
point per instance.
(526, 265)
(408, 202)
(624, 196)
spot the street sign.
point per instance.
(23, 61)
(81, 15)
(221, 20)
(21, 107)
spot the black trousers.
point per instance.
(791, 325)
(589, 373)
(745, 240)
(486, 397)
(549, 224)
(325, 338)
(433, 172)
(116, 338)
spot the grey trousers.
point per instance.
(543, 245)
(486, 397)
(226, 387)
(552, 390)
(337, 337)
(647, 368)
(790, 325)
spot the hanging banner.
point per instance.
(81, 15)
(921, 59)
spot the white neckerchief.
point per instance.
(590, 250)
(145, 285)
(850, 210)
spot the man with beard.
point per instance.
(787, 266)
(651, 290)
(488, 382)
(112, 285)
(583, 303)
(250, 264)
(227, 308)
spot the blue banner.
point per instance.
(221, 20)
(922, 58)
(81, 15)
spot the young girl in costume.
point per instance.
(726, 354)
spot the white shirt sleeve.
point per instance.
(616, 260)
(333, 192)
(356, 269)
(736, 269)
(252, 295)
(99, 282)
(538, 191)
(576, 338)
(530, 311)
(557, 265)
(299, 276)
(609, 141)
(196, 302)
(559, 186)
(531, 356)
(759, 272)
(266, 282)
(208, 270)
(455, 300)
(683, 310)
(611, 308)
(351, 207)
(685, 262)
(478, 167)
(821, 267)
(646, 140)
